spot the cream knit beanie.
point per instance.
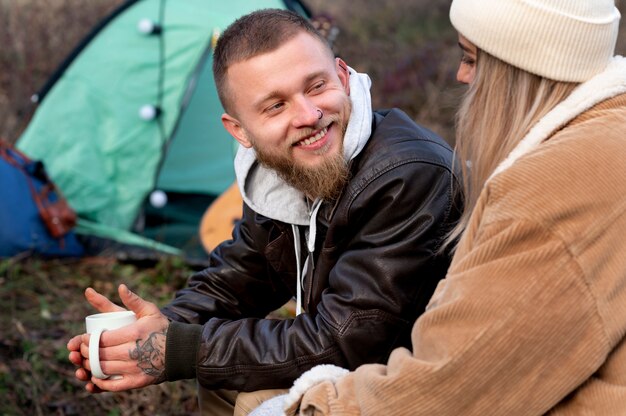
(563, 40)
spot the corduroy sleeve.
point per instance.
(512, 330)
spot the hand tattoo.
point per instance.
(150, 355)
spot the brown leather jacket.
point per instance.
(375, 267)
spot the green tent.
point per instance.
(129, 125)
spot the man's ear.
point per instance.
(233, 126)
(344, 74)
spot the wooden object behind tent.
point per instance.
(217, 222)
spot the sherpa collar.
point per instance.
(607, 84)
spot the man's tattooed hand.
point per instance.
(150, 355)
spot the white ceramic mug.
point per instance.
(96, 325)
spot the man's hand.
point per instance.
(136, 352)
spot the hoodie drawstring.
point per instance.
(302, 269)
(296, 243)
(313, 225)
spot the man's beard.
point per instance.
(325, 181)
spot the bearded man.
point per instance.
(345, 210)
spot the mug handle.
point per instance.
(94, 354)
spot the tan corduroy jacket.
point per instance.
(531, 318)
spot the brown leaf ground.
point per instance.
(43, 306)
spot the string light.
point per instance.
(148, 27)
(149, 112)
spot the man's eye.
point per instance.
(274, 107)
(318, 86)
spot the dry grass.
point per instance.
(36, 35)
(43, 306)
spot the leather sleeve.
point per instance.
(250, 353)
(238, 281)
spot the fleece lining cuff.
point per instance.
(181, 348)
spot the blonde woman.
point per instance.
(531, 317)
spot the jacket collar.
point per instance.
(607, 84)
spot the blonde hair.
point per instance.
(500, 107)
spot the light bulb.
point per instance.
(158, 198)
(149, 112)
(148, 27)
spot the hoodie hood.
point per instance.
(266, 193)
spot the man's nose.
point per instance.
(306, 113)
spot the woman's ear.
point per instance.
(344, 74)
(233, 126)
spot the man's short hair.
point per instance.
(256, 33)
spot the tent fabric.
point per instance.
(87, 129)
